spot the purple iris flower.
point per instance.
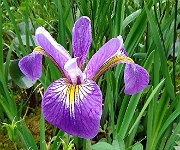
(74, 103)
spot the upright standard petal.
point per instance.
(31, 65)
(76, 109)
(46, 41)
(81, 39)
(74, 71)
(102, 55)
(136, 78)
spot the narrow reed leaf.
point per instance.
(174, 41)
(1, 44)
(84, 8)
(156, 90)
(135, 34)
(61, 26)
(130, 18)
(110, 98)
(27, 27)
(26, 137)
(151, 107)
(15, 26)
(129, 114)
(58, 140)
(6, 70)
(174, 137)
(160, 113)
(140, 55)
(156, 72)
(119, 17)
(42, 133)
(5, 105)
(149, 61)
(122, 111)
(174, 105)
(157, 41)
(10, 99)
(165, 125)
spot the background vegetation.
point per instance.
(148, 120)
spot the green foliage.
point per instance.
(148, 120)
(18, 77)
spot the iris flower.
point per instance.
(74, 103)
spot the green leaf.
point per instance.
(26, 137)
(134, 36)
(158, 42)
(104, 146)
(42, 133)
(137, 146)
(130, 18)
(157, 89)
(18, 77)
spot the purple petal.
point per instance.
(76, 109)
(45, 40)
(136, 78)
(81, 39)
(31, 65)
(102, 55)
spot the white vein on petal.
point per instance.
(62, 90)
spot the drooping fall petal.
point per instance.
(76, 109)
(31, 65)
(136, 78)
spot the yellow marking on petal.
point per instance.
(42, 51)
(72, 93)
(75, 94)
(110, 63)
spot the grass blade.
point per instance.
(15, 27)
(157, 41)
(1, 44)
(42, 133)
(157, 89)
